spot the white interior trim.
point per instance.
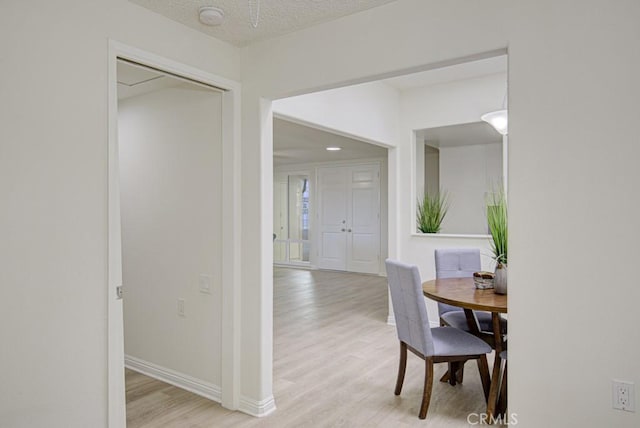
(265, 316)
(172, 377)
(293, 265)
(449, 235)
(257, 408)
(230, 353)
(505, 165)
(116, 402)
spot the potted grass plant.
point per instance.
(497, 221)
(431, 211)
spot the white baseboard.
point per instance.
(181, 380)
(303, 266)
(257, 408)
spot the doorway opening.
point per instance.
(387, 113)
(173, 206)
(170, 146)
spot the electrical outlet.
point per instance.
(624, 395)
(181, 308)
(205, 284)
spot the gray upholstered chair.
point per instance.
(460, 263)
(434, 345)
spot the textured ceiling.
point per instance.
(294, 143)
(276, 16)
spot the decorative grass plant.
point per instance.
(431, 211)
(497, 220)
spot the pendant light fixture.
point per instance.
(499, 119)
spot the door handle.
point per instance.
(341, 230)
(349, 230)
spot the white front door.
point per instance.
(332, 204)
(363, 231)
(349, 214)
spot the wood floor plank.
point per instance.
(335, 362)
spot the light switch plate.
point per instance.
(204, 284)
(181, 308)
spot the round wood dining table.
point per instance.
(462, 292)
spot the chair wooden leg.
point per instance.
(502, 400)
(460, 374)
(453, 370)
(492, 401)
(402, 367)
(483, 368)
(428, 385)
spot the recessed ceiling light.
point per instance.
(210, 15)
(334, 149)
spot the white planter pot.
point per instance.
(500, 280)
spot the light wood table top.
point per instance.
(463, 293)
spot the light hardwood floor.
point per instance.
(335, 365)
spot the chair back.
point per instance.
(456, 263)
(409, 309)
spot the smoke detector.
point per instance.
(210, 15)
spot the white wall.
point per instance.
(572, 72)
(53, 188)
(584, 70)
(431, 172)
(368, 111)
(170, 168)
(451, 103)
(467, 174)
